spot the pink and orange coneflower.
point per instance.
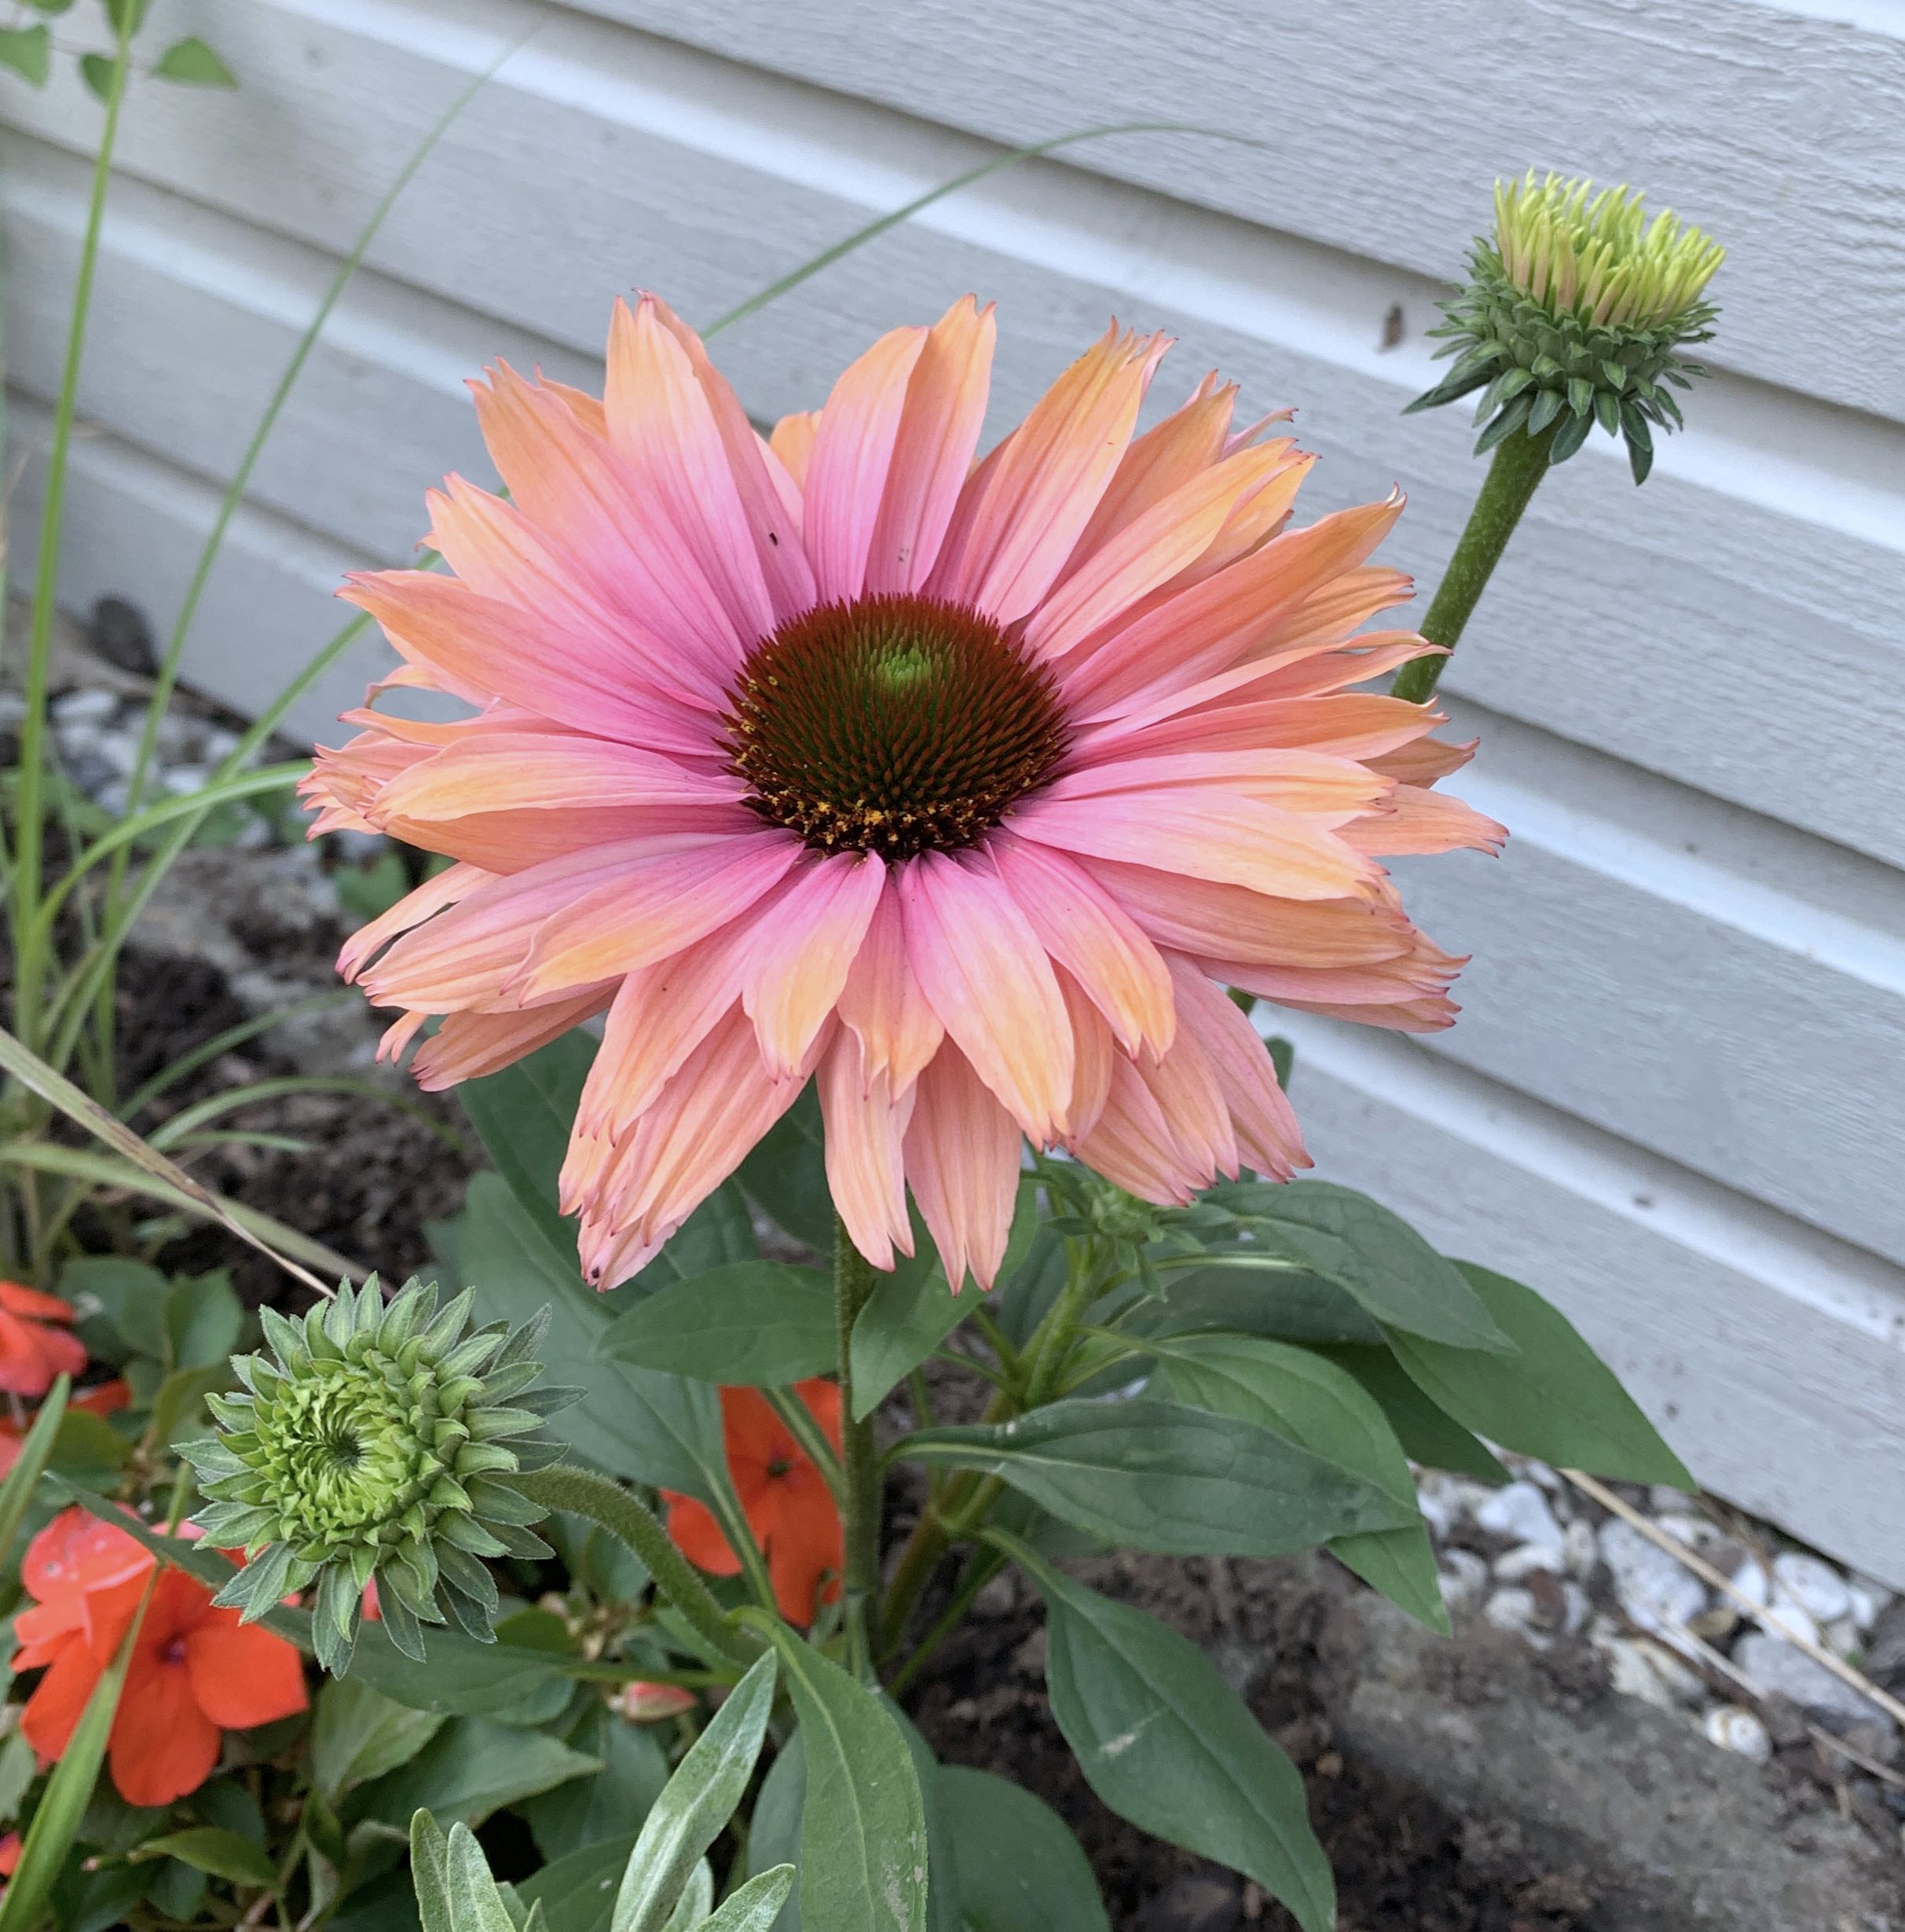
(957, 787)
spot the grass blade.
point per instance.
(17, 1491)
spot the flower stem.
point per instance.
(579, 1493)
(860, 1463)
(1521, 461)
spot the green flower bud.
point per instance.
(377, 1444)
(1575, 313)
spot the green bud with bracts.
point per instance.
(1576, 313)
(379, 1443)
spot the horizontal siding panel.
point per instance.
(1717, 590)
(1775, 1362)
(1378, 126)
(134, 524)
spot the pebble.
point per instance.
(1816, 1587)
(1654, 1588)
(1840, 1636)
(1464, 1579)
(1869, 1601)
(1777, 1666)
(1521, 1511)
(83, 707)
(1734, 1729)
(218, 745)
(1753, 1583)
(1516, 1610)
(1582, 1548)
(1698, 1533)
(1631, 1673)
(12, 709)
(119, 749)
(1794, 1619)
(1529, 1557)
(355, 847)
(184, 779)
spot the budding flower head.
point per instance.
(379, 1442)
(1574, 314)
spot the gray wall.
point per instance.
(1673, 1101)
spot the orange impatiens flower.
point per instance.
(195, 1672)
(959, 788)
(35, 1344)
(785, 1498)
(105, 1399)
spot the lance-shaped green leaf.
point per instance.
(1021, 1870)
(695, 1805)
(1167, 1477)
(760, 1324)
(1166, 1742)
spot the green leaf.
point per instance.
(696, 1804)
(456, 1890)
(863, 1851)
(754, 1906)
(1324, 1408)
(28, 51)
(192, 62)
(610, 1803)
(1162, 1476)
(1556, 1399)
(1021, 1870)
(648, 1427)
(471, 1767)
(96, 71)
(127, 17)
(130, 1300)
(202, 1320)
(721, 1230)
(208, 1848)
(462, 1677)
(944, 1897)
(17, 1491)
(761, 1324)
(785, 1175)
(359, 1734)
(524, 1117)
(774, 1831)
(51, 1837)
(577, 1893)
(1426, 1435)
(1372, 1254)
(1247, 1293)
(1167, 1743)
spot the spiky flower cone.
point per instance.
(1576, 313)
(379, 1443)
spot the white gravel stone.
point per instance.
(354, 847)
(1437, 1510)
(1521, 1511)
(1816, 1587)
(1751, 1581)
(1515, 1610)
(84, 707)
(1736, 1730)
(1777, 1666)
(1537, 1471)
(120, 749)
(1522, 1561)
(1464, 1577)
(1633, 1675)
(218, 745)
(1698, 1533)
(1687, 1686)
(1840, 1636)
(1869, 1601)
(1655, 1589)
(1794, 1619)
(182, 779)
(1582, 1549)
(12, 708)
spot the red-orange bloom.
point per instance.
(195, 1674)
(32, 1352)
(107, 1399)
(785, 1499)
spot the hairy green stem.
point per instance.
(1521, 461)
(860, 1463)
(29, 960)
(579, 1493)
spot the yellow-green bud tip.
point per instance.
(1596, 255)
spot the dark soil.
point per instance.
(369, 1179)
(1402, 1864)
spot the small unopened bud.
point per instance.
(649, 1703)
(1575, 313)
(371, 1452)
